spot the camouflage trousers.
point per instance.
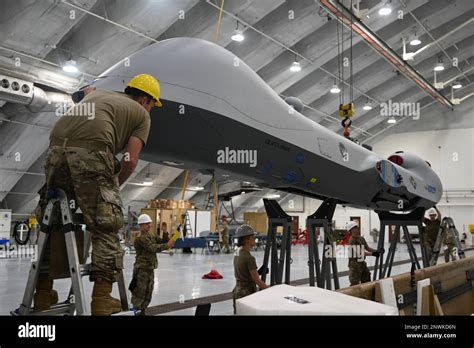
(90, 181)
(225, 242)
(358, 272)
(450, 252)
(142, 289)
(242, 290)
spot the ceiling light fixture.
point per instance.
(70, 66)
(457, 85)
(172, 163)
(439, 66)
(238, 34)
(385, 10)
(295, 67)
(335, 89)
(148, 180)
(415, 41)
(198, 187)
(367, 106)
(392, 120)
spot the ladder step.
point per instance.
(85, 269)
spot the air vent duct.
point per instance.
(15, 90)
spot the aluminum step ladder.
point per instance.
(446, 226)
(187, 225)
(75, 302)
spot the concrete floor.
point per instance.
(177, 277)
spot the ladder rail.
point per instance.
(75, 302)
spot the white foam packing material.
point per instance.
(272, 301)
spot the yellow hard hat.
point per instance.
(147, 84)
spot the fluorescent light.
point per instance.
(171, 163)
(196, 188)
(385, 10)
(367, 107)
(457, 85)
(392, 120)
(70, 66)
(238, 36)
(334, 89)
(148, 180)
(272, 196)
(295, 67)
(415, 41)
(439, 67)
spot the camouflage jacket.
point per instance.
(146, 246)
(449, 237)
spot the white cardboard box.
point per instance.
(291, 300)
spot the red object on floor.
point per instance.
(302, 238)
(212, 275)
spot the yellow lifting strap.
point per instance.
(218, 28)
(183, 192)
(185, 184)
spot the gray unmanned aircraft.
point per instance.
(219, 115)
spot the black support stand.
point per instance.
(322, 218)
(414, 218)
(278, 263)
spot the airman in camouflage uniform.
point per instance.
(147, 244)
(449, 246)
(81, 161)
(245, 266)
(431, 230)
(225, 234)
(358, 270)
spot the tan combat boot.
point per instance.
(102, 303)
(44, 296)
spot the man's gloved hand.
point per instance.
(260, 271)
(77, 96)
